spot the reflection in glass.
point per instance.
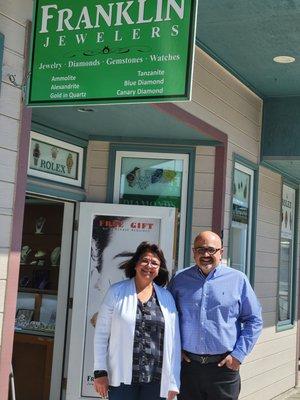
(152, 182)
(285, 279)
(239, 247)
(240, 225)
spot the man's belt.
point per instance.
(205, 358)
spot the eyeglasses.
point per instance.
(203, 250)
(151, 263)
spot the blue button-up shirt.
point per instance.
(218, 313)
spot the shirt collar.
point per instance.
(214, 272)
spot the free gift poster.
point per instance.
(111, 235)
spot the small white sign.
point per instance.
(55, 160)
(288, 212)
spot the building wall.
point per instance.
(13, 16)
(203, 190)
(222, 101)
(270, 369)
(97, 171)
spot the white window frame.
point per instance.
(184, 188)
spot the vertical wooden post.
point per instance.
(16, 241)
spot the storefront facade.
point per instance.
(212, 143)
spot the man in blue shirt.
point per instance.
(220, 321)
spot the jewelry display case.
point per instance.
(39, 268)
(37, 300)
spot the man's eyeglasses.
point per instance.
(203, 250)
(151, 263)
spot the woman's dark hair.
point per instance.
(129, 265)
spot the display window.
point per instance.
(286, 257)
(155, 179)
(241, 218)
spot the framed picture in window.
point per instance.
(241, 218)
(155, 179)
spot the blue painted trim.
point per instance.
(284, 327)
(1, 54)
(254, 167)
(189, 205)
(281, 158)
(296, 258)
(230, 69)
(113, 148)
(191, 151)
(57, 134)
(47, 188)
(290, 323)
(159, 141)
(288, 178)
(281, 119)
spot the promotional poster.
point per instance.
(111, 235)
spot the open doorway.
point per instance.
(42, 301)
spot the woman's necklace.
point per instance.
(144, 294)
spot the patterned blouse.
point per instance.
(148, 342)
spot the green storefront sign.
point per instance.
(108, 51)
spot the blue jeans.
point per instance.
(136, 391)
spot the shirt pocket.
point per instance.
(224, 306)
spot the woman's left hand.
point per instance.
(172, 395)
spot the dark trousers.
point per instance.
(208, 382)
(136, 391)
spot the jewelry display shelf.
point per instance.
(38, 291)
(34, 332)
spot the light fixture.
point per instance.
(85, 110)
(284, 59)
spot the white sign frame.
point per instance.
(63, 145)
(87, 212)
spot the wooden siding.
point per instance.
(96, 171)
(13, 16)
(203, 190)
(222, 101)
(270, 369)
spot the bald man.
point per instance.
(220, 321)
